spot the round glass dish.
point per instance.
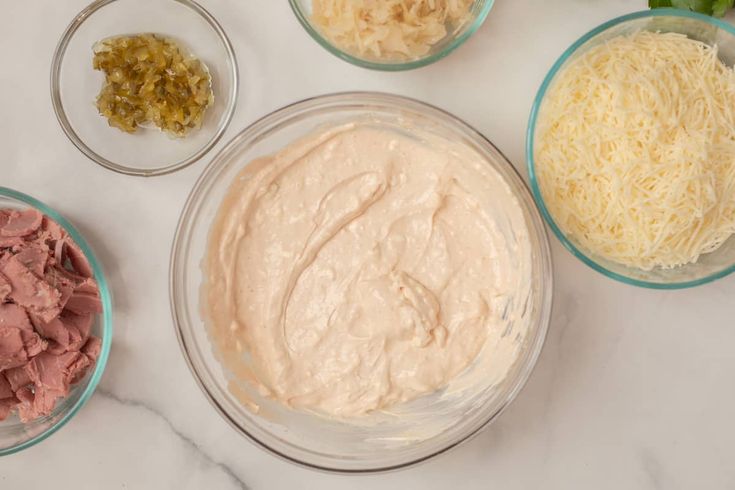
(453, 39)
(709, 30)
(315, 441)
(75, 84)
(15, 435)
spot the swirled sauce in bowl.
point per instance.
(365, 266)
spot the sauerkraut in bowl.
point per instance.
(391, 34)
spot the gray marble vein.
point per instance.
(188, 441)
(652, 469)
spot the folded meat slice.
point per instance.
(51, 376)
(78, 260)
(68, 332)
(20, 223)
(52, 230)
(63, 280)
(56, 333)
(30, 291)
(88, 285)
(33, 343)
(83, 303)
(79, 327)
(12, 315)
(12, 350)
(17, 377)
(92, 348)
(58, 275)
(78, 294)
(54, 236)
(17, 346)
(18, 341)
(78, 369)
(35, 403)
(34, 257)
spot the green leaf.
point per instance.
(701, 6)
(721, 6)
(718, 8)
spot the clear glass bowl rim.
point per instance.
(57, 62)
(390, 66)
(272, 122)
(106, 318)
(530, 134)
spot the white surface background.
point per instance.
(634, 388)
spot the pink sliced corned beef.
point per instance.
(16, 223)
(17, 377)
(48, 303)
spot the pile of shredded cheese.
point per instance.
(388, 29)
(635, 150)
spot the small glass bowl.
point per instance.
(14, 434)
(478, 13)
(709, 30)
(310, 440)
(75, 84)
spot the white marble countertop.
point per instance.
(634, 388)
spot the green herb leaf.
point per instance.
(701, 6)
(718, 8)
(721, 6)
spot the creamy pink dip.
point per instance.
(365, 266)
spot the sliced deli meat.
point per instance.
(48, 303)
(17, 377)
(20, 223)
(34, 257)
(30, 291)
(92, 348)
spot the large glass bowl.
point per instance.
(75, 84)
(14, 434)
(453, 39)
(706, 29)
(308, 439)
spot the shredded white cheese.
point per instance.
(388, 29)
(635, 150)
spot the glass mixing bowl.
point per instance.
(454, 39)
(706, 29)
(316, 441)
(14, 434)
(75, 84)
